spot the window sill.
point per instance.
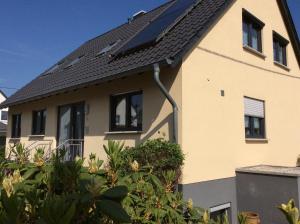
(282, 66)
(253, 51)
(257, 140)
(36, 136)
(15, 138)
(122, 132)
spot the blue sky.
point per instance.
(37, 33)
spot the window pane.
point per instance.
(245, 33)
(44, 121)
(247, 126)
(280, 54)
(64, 123)
(38, 122)
(120, 113)
(4, 115)
(275, 50)
(257, 126)
(218, 215)
(16, 126)
(136, 111)
(254, 39)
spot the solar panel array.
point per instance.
(154, 31)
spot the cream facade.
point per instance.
(209, 86)
(157, 113)
(213, 126)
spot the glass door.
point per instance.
(71, 130)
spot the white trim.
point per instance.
(220, 207)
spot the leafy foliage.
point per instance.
(68, 192)
(291, 212)
(158, 154)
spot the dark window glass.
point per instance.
(16, 126)
(39, 122)
(4, 115)
(127, 112)
(254, 127)
(252, 28)
(219, 216)
(279, 49)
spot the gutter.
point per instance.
(165, 92)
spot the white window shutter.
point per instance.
(254, 108)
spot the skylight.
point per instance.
(52, 69)
(75, 61)
(108, 48)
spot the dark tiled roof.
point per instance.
(2, 127)
(91, 69)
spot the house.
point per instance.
(3, 121)
(220, 77)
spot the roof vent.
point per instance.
(138, 14)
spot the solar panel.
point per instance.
(154, 31)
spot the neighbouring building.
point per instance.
(3, 121)
(220, 77)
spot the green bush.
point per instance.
(2, 153)
(158, 154)
(58, 192)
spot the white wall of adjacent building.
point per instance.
(3, 112)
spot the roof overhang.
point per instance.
(289, 23)
(137, 70)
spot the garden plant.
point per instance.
(125, 189)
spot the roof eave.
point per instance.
(137, 70)
(289, 23)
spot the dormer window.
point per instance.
(252, 31)
(279, 49)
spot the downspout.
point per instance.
(170, 99)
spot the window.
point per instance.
(52, 69)
(108, 48)
(73, 62)
(4, 115)
(254, 118)
(127, 112)
(16, 126)
(252, 31)
(279, 49)
(218, 213)
(39, 122)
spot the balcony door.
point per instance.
(71, 129)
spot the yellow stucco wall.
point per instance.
(213, 135)
(157, 112)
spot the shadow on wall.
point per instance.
(154, 131)
(157, 113)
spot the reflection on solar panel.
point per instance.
(155, 30)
